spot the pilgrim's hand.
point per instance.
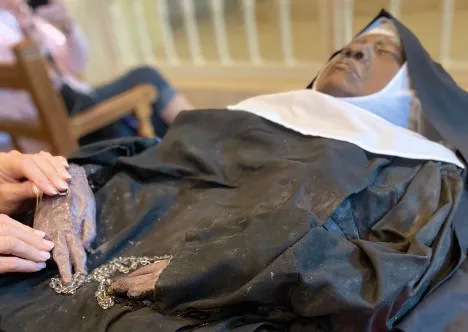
(24, 176)
(56, 13)
(70, 222)
(20, 10)
(139, 284)
(22, 249)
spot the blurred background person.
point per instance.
(65, 46)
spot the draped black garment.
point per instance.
(270, 230)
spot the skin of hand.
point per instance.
(139, 284)
(24, 176)
(11, 4)
(20, 10)
(56, 14)
(69, 221)
(22, 249)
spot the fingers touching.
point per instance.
(13, 246)
(71, 223)
(18, 192)
(48, 173)
(15, 264)
(22, 249)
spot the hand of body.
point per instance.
(23, 249)
(70, 222)
(139, 284)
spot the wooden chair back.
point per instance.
(31, 74)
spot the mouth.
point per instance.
(346, 65)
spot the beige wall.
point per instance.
(108, 60)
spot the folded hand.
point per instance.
(139, 284)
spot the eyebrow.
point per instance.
(393, 41)
(386, 41)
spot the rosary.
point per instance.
(102, 275)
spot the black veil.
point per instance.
(444, 103)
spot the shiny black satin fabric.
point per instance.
(269, 231)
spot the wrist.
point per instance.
(27, 28)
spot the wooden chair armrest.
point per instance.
(112, 109)
(27, 128)
(10, 77)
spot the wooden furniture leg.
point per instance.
(143, 114)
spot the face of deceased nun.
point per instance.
(364, 67)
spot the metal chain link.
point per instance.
(102, 275)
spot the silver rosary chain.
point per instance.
(103, 276)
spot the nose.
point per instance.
(357, 52)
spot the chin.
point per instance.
(338, 83)
(336, 90)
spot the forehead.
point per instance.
(374, 38)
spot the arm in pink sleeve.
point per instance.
(76, 53)
(10, 34)
(6, 53)
(70, 52)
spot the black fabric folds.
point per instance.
(273, 231)
(270, 231)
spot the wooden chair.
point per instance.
(54, 125)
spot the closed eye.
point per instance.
(385, 50)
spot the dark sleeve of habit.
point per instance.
(354, 261)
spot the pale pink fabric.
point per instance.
(70, 54)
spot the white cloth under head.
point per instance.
(312, 113)
(392, 103)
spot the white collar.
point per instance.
(312, 113)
